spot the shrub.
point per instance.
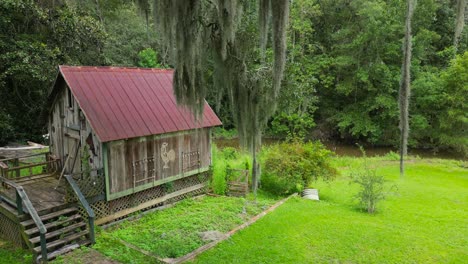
(371, 186)
(148, 58)
(230, 153)
(371, 189)
(392, 156)
(221, 133)
(293, 126)
(290, 167)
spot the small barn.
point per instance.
(119, 143)
(124, 125)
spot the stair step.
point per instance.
(35, 230)
(62, 241)
(50, 216)
(64, 250)
(58, 232)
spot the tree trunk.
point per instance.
(459, 23)
(255, 165)
(404, 93)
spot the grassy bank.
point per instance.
(423, 220)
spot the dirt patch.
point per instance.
(86, 256)
(210, 236)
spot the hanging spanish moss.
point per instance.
(280, 15)
(182, 35)
(229, 15)
(263, 17)
(460, 22)
(404, 93)
(198, 29)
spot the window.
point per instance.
(70, 99)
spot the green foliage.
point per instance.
(34, 40)
(111, 247)
(341, 74)
(291, 167)
(224, 161)
(128, 33)
(85, 161)
(230, 153)
(454, 118)
(371, 188)
(168, 187)
(6, 128)
(148, 58)
(293, 126)
(344, 64)
(13, 254)
(221, 132)
(392, 156)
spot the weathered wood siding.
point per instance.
(68, 126)
(140, 163)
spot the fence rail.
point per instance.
(16, 168)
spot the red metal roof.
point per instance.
(123, 103)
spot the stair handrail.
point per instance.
(85, 205)
(22, 198)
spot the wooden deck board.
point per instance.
(42, 193)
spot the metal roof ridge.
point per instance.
(115, 68)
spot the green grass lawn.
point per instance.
(424, 221)
(174, 232)
(10, 254)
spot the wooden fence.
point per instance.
(26, 167)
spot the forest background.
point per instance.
(341, 80)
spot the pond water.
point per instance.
(342, 149)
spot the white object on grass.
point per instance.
(311, 194)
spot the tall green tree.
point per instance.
(34, 39)
(453, 116)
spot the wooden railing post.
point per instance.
(19, 203)
(16, 164)
(47, 159)
(43, 247)
(85, 205)
(91, 230)
(35, 217)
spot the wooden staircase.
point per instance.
(66, 230)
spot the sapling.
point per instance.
(372, 186)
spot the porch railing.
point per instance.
(84, 203)
(27, 166)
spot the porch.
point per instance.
(39, 211)
(45, 193)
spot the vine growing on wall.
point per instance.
(85, 163)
